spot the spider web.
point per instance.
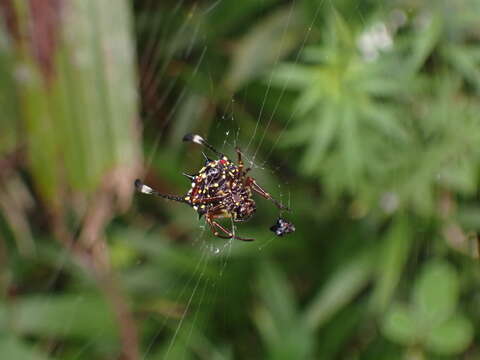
(154, 73)
(168, 113)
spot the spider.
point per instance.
(221, 189)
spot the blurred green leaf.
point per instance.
(80, 118)
(451, 337)
(469, 216)
(65, 316)
(163, 254)
(293, 77)
(189, 342)
(392, 258)
(14, 348)
(264, 45)
(276, 294)
(340, 289)
(222, 17)
(466, 60)
(400, 325)
(435, 293)
(426, 39)
(283, 330)
(338, 332)
(8, 98)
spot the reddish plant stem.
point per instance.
(91, 251)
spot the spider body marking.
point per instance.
(221, 189)
(219, 182)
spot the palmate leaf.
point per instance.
(445, 38)
(357, 124)
(439, 151)
(338, 113)
(431, 320)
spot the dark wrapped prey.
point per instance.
(282, 227)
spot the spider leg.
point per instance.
(208, 200)
(215, 226)
(197, 139)
(145, 189)
(240, 162)
(239, 157)
(260, 191)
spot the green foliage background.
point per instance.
(362, 115)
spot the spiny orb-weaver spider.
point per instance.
(221, 189)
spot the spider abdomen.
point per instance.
(240, 204)
(214, 181)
